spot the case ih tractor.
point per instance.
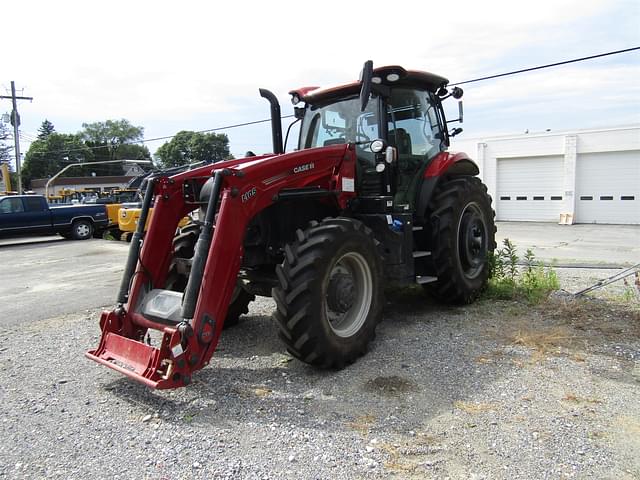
(370, 197)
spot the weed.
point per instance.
(188, 417)
(108, 235)
(571, 397)
(491, 357)
(262, 392)
(631, 292)
(508, 281)
(541, 339)
(362, 424)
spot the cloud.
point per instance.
(195, 65)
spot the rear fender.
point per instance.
(444, 165)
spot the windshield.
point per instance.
(339, 122)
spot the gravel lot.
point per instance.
(494, 390)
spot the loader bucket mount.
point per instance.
(182, 349)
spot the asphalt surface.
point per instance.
(587, 245)
(48, 276)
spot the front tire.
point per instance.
(329, 301)
(462, 236)
(183, 248)
(81, 230)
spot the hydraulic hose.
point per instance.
(136, 243)
(201, 251)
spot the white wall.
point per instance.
(570, 145)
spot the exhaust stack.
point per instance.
(276, 124)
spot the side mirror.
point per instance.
(365, 81)
(455, 132)
(460, 112)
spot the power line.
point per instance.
(146, 140)
(255, 122)
(531, 69)
(575, 60)
(228, 127)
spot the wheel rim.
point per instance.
(348, 294)
(83, 230)
(472, 241)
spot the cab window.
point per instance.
(11, 205)
(34, 204)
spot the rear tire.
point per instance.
(329, 301)
(81, 230)
(462, 236)
(183, 248)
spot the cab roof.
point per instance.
(405, 78)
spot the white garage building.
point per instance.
(587, 176)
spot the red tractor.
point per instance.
(370, 197)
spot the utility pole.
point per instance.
(15, 121)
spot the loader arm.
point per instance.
(242, 190)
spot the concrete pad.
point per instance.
(584, 244)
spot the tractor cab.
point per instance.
(389, 107)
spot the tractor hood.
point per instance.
(313, 166)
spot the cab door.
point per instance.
(415, 132)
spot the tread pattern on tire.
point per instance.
(299, 312)
(444, 209)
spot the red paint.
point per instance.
(123, 331)
(302, 91)
(442, 162)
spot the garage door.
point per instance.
(530, 189)
(608, 188)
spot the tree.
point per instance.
(188, 147)
(5, 148)
(49, 155)
(114, 140)
(133, 152)
(45, 129)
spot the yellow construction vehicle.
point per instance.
(128, 216)
(6, 180)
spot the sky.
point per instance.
(189, 65)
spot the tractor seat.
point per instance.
(400, 139)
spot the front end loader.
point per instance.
(371, 196)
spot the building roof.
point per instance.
(41, 182)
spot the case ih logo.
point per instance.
(248, 195)
(303, 168)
